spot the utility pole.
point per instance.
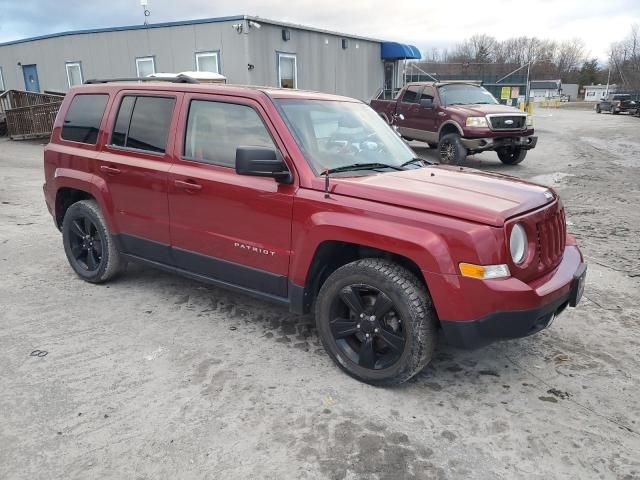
(606, 91)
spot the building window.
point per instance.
(207, 62)
(82, 123)
(143, 123)
(215, 130)
(1, 81)
(74, 74)
(287, 70)
(145, 66)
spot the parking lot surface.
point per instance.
(156, 376)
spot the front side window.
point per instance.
(215, 130)
(333, 134)
(411, 94)
(82, 122)
(145, 66)
(207, 62)
(143, 123)
(74, 74)
(287, 71)
(465, 94)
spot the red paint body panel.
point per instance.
(435, 217)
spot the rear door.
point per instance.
(134, 165)
(233, 228)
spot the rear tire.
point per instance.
(376, 321)
(598, 109)
(511, 155)
(89, 247)
(451, 150)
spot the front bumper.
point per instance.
(513, 324)
(484, 144)
(474, 312)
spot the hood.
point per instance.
(469, 194)
(475, 110)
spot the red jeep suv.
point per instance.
(311, 201)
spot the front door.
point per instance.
(427, 117)
(31, 82)
(134, 166)
(236, 229)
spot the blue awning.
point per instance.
(394, 51)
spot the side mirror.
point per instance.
(262, 162)
(426, 102)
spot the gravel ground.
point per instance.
(155, 376)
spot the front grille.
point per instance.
(551, 232)
(508, 122)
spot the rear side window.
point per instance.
(143, 123)
(216, 129)
(83, 119)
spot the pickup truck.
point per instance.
(310, 201)
(618, 103)
(459, 119)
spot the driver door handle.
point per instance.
(185, 185)
(109, 170)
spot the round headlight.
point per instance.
(518, 243)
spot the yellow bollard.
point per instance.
(530, 108)
(521, 106)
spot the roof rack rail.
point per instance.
(178, 79)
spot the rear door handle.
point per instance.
(187, 185)
(109, 170)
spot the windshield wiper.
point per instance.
(416, 160)
(360, 166)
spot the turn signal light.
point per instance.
(484, 272)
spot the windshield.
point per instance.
(464, 94)
(333, 134)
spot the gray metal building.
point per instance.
(247, 50)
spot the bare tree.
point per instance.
(568, 56)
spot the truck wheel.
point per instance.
(451, 149)
(376, 321)
(511, 155)
(88, 245)
(615, 111)
(598, 109)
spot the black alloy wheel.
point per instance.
(86, 244)
(90, 248)
(376, 321)
(366, 327)
(451, 149)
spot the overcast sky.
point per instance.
(426, 24)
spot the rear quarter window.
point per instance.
(82, 121)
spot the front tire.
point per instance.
(89, 247)
(376, 321)
(598, 109)
(451, 149)
(511, 155)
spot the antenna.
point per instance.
(144, 4)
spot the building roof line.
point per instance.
(199, 21)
